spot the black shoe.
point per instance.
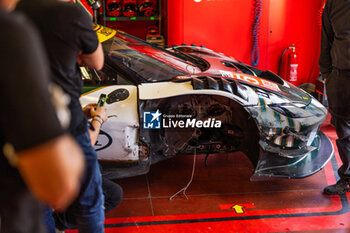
(341, 187)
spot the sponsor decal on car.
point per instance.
(251, 80)
(157, 120)
(103, 33)
(104, 140)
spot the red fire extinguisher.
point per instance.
(292, 67)
(290, 74)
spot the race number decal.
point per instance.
(251, 80)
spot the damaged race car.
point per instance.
(187, 100)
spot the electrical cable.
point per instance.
(256, 33)
(183, 190)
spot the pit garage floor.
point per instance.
(223, 199)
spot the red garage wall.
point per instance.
(226, 26)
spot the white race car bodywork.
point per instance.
(119, 138)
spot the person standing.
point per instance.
(38, 159)
(334, 65)
(68, 36)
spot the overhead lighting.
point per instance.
(197, 0)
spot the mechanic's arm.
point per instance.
(99, 116)
(327, 37)
(94, 60)
(53, 170)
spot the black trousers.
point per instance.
(342, 127)
(20, 212)
(338, 94)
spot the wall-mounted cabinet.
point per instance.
(126, 10)
(137, 18)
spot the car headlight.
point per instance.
(292, 110)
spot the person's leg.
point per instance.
(88, 208)
(49, 220)
(64, 220)
(342, 127)
(113, 194)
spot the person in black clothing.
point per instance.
(37, 158)
(335, 68)
(69, 37)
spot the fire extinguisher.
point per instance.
(291, 71)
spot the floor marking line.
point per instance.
(343, 210)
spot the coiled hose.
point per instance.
(256, 32)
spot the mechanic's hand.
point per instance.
(101, 111)
(87, 109)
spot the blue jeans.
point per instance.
(113, 195)
(87, 210)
